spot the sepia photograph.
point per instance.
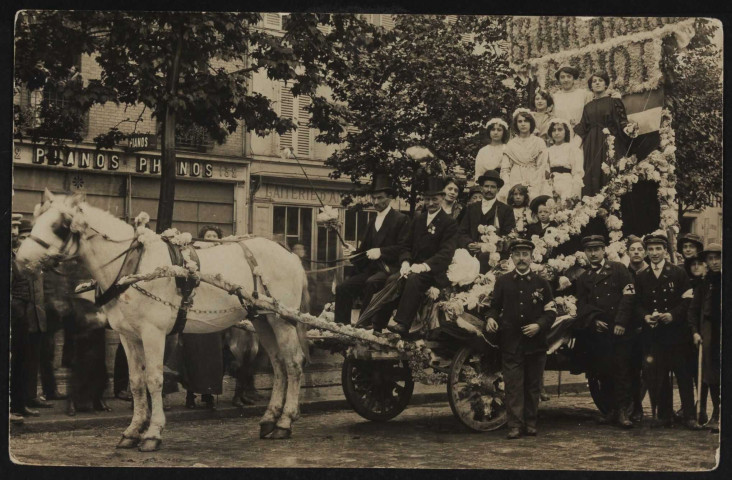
(365, 240)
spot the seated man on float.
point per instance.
(487, 212)
(381, 246)
(431, 242)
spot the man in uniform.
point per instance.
(487, 212)
(380, 247)
(522, 311)
(664, 294)
(605, 297)
(432, 239)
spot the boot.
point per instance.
(623, 419)
(607, 419)
(190, 400)
(209, 401)
(101, 406)
(16, 419)
(70, 408)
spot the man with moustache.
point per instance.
(605, 296)
(432, 240)
(380, 247)
(522, 311)
(664, 295)
(705, 321)
(487, 212)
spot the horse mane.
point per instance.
(104, 221)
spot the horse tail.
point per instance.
(304, 308)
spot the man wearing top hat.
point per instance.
(522, 311)
(379, 250)
(605, 296)
(663, 297)
(542, 213)
(705, 321)
(487, 212)
(430, 246)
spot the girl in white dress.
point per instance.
(566, 162)
(490, 157)
(525, 157)
(569, 102)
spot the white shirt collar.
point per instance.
(431, 216)
(384, 212)
(380, 216)
(658, 267)
(602, 264)
(528, 271)
(486, 205)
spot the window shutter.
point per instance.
(303, 129)
(387, 21)
(273, 20)
(451, 19)
(286, 111)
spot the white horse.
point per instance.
(69, 226)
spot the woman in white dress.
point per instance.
(525, 157)
(569, 102)
(491, 156)
(566, 161)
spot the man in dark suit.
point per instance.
(664, 295)
(487, 212)
(380, 247)
(432, 240)
(522, 311)
(542, 213)
(605, 296)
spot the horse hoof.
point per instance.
(281, 433)
(266, 428)
(150, 445)
(127, 442)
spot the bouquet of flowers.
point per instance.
(463, 269)
(631, 129)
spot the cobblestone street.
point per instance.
(426, 436)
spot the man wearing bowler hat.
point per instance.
(522, 311)
(431, 244)
(487, 212)
(379, 249)
(664, 295)
(605, 296)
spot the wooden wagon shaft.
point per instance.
(266, 303)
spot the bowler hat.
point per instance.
(711, 248)
(568, 69)
(25, 226)
(657, 238)
(435, 186)
(381, 183)
(520, 243)
(593, 241)
(690, 237)
(537, 202)
(491, 175)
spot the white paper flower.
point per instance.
(464, 268)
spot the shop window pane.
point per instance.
(362, 223)
(292, 221)
(306, 220)
(278, 224)
(350, 227)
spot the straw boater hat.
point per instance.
(690, 237)
(568, 69)
(15, 219)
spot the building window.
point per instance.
(193, 137)
(355, 225)
(293, 225)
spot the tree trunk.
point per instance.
(166, 201)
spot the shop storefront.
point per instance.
(208, 191)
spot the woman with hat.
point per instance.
(688, 246)
(569, 101)
(490, 157)
(566, 163)
(603, 112)
(526, 156)
(705, 320)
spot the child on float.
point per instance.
(518, 198)
(490, 157)
(525, 157)
(566, 162)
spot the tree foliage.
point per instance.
(189, 68)
(694, 96)
(424, 82)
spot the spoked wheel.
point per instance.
(600, 394)
(475, 389)
(378, 390)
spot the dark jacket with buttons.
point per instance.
(27, 303)
(390, 238)
(520, 300)
(608, 296)
(671, 292)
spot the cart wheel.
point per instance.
(599, 394)
(378, 390)
(475, 389)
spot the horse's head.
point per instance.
(55, 233)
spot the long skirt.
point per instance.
(202, 362)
